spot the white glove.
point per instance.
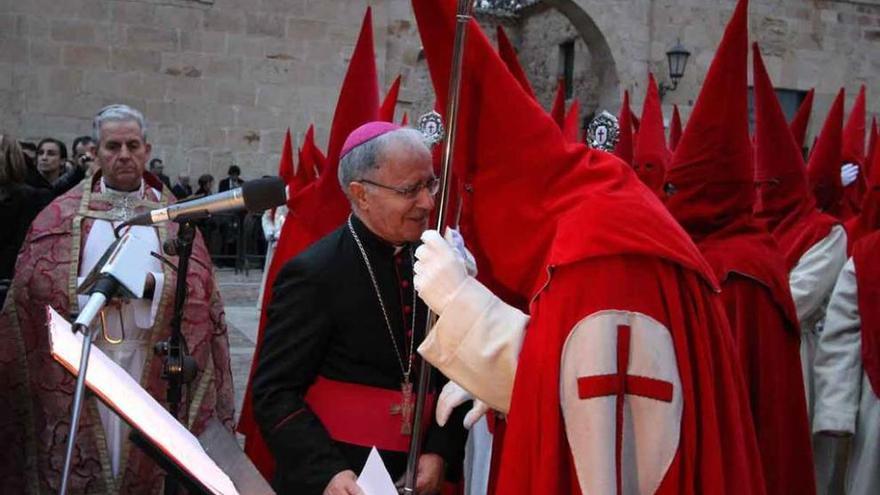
(849, 173)
(439, 271)
(457, 241)
(453, 396)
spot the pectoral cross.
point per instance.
(405, 408)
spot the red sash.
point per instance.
(362, 415)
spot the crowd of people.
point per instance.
(32, 175)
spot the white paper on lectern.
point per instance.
(128, 399)
(374, 478)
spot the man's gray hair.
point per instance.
(363, 158)
(118, 113)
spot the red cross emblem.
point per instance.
(621, 398)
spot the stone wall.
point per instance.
(220, 80)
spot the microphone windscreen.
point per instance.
(262, 194)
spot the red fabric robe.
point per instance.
(868, 279)
(716, 453)
(36, 392)
(765, 327)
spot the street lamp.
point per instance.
(677, 56)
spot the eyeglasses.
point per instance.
(432, 185)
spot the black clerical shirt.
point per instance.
(325, 320)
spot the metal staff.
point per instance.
(463, 17)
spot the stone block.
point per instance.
(8, 25)
(151, 38)
(45, 53)
(179, 17)
(244, 46)
(14, 50)
(282, 96)
(202, 41)
(86, 56)
(253, 117)
(64, 80)
(131, 59)
(272, 141)
(232, 92)
(164, 133)
(138, 13)
(94, 10)
(283, 8)
(187, 88)
(264, 25)
(221, 66)
(243, 139)
(307, 29)
(198, 162)
(73, 31)
(110, 34)
(217, 19)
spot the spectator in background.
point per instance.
(182, 190)
(49, 171)
(19, 204)
(84, 148)
(206, 186)
(51, 154)
(157, 167)
(233, 180)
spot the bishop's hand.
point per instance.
(439, 271)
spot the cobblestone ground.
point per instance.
(240, 292)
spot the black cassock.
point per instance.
(325, 327)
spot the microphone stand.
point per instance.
(179, 367)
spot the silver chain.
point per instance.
(408, 369)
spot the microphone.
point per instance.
(255, 196)
(122, 270)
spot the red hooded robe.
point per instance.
(801, 120)
(854, 152)
(711, 193)
(651, 155)
(823, 169)
(598, 241)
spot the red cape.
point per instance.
(867, 266)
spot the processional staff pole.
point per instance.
(463, 17)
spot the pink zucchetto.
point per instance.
(366, 132)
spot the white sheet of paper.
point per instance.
(374, 478)
(128, 399)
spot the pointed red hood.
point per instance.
(801, 120)
(511, 60)
(711, 171)
(674, 128)
(307, 171)
(854, 132)
(785, 203)
(320, 207)
(285, 164)
(624, 147)
(386, 111)
(651, 155)
(543, 185)
(823, 170)
(571, 129)
(558, 109)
